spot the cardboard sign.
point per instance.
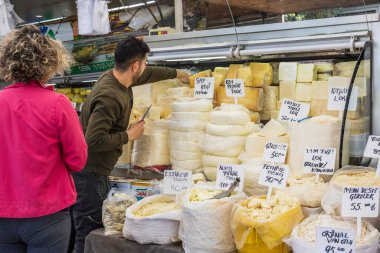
(338, 97)
(373, 147)
(293, 111)
(360, 202)
(274, 175)
(177, 181)
(335, 240)
(235, 88)
(204, 87)
(227, 174)
(319, 160)
(275, 152)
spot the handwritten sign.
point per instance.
(227, 174)
(338, 97)
(373, 147)
(274, 175)
(360, 202)
(319, 160)
(335, 240)
(293, 111)
(235, 88)
(204, 87)
(275, 152)
(177, 181)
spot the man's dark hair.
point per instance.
(128, 51)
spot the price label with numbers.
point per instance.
(275, 152)
(335, 240)
(338, 97)
(204, 87)
(235, 88)
(319, 160)
(293, 111)
(227, 174)
(360, 202)
(177, 181)
(373, 147)
(273, 175)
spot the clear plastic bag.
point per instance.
(113, 211)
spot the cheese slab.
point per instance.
(262, 74)
(288, 71)
(287, 90)
(304, 92)
(306, 73)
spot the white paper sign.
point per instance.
(274, 175)
(177, 181)
(360, 202)
(227, 174)
(335, 240)
(204, 87)
(319, 160)
(373, 147)
(338, 96)
(235, 88)
(275, 152)
(293, 111)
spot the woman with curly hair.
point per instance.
(41, 142)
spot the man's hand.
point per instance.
(135, 131)
(183, 76)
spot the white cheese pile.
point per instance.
(153, 208)
(359, 179)
(199, 194)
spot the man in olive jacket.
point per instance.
(105, 118)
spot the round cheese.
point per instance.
(193, 165)
(212, 161)
(230, 146)
(232, 130)
(224, 117)
(184, 136)
(189, 126)
(184, 146)
(192, 105)
(193, 116)
(184, 155)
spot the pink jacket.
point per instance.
(41, 142)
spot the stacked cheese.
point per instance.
(271, 96)
(225, 137)
(165, 100)
(187, 125)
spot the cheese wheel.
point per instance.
(244, 73)
(262, 74)
(212, 161)
(184, 146)
(193, 136)
(233, 71)
(253, 100)
(192, 105)
(193, 116)
(184, 155)
(193, 165)
(229, 146)
(232, 130)
(210, 173)
(186, 125)
(221, 117)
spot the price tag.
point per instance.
(235, 88)
(177, 181)
(319, 160)
(74, 105)
(227, 174)
(335, 240)
(373, 147)
(204, 87)
(338, 96)
(360, 202)
(293, 111)
(275, 152)
(274, 175)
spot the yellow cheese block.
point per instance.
(287, 90)
(262, 74)
(304, 92)
(244, 73)
(221, 70)
(271, 91)
(320, 89)
(253, 100)
(255, 117)
(206, 73)
(275, 67)
(306, 73)
(220, 75)
(233, 71)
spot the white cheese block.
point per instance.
(192, 136)
(191, 116)
(271, 91)
(270, 104)
(210, 173)
(224, 117)
(306, 73)
(184, 146)
(287, 90)
(232, 130)
(186, 125)
(304, 92)
(320, 89)
(229, 146)
(288, 71)
(184, 155)
(193, 165)
(212, 161)
(192, 105)
(273, 128)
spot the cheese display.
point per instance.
(206, 73)
(304, 92)
(224, 117)
(288, 71)
(306, 73)
(232, 130)
(229, 146)
(288, 90)
(262, 74)
(209, 219)
(113, 211)
(244, 73)
(253, 100)
(304, 239)
(219, 75)
(307, 189)
(154, 219)
(233, 71)
(320, 89)
(152, 148)
(260, 225)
